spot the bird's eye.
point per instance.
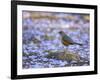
(60, 32)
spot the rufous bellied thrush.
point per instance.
(66, 40)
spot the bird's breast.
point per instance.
(66, 43)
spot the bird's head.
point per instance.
(61, 33)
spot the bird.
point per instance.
(66, 40)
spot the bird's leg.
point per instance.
(65, 48)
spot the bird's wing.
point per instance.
(68, 39)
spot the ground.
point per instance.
(42, 47)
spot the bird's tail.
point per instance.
(79, 44)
